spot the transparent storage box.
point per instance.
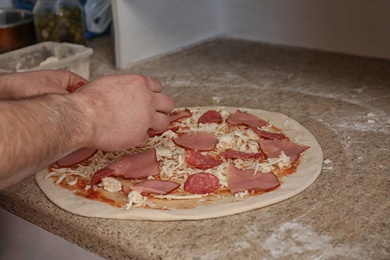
(48, 55)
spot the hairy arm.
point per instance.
(109, 113)
(35, 83)
(36, 132)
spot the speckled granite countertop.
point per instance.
(343, 100)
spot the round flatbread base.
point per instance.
(307, 172)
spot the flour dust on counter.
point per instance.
(210, 162)
(293, 238)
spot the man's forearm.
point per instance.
(5, 86)
(36, 132)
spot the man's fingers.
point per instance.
(154, 84)
(164, 103)
(160, 122)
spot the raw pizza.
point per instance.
(210, 162)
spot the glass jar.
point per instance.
(59, 21)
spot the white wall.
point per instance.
(358, 27)
(146, 28)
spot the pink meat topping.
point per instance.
(244, 118)
(133, 166)
(210, 116)
(241, 180)
(174, 116)
(201, 183)
(273, 148)
(201, 141)
(200, 161)
(161, 187)
(76, 157)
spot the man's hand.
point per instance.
(109, 113)
(121, 109)
(36, 83)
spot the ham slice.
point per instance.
(174, 116)
(244, 118)
(200, 161)
(201, 141)
(273, 148)
(210, 116)
(76, 157)
(234, 154)
(152, 187)
(153, 133)
(241, 180)
(100, 174)
(268, 135)
(133, 166)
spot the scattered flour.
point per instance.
(359, 90)
(217, 99)
(242, 245)
(365, 123)
(327, 165)
(328, 161)
(293, 240)
(219, 79)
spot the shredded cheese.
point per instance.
(111, 184)
(173, 166)
(179, 197)
(137, 200)
(242, 194)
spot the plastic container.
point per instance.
(48, 55)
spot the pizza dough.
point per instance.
(307, 172)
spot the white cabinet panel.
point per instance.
(146, 28)
(19, 239)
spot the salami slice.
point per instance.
(201, 183)
(211, 116)
(200, 161)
